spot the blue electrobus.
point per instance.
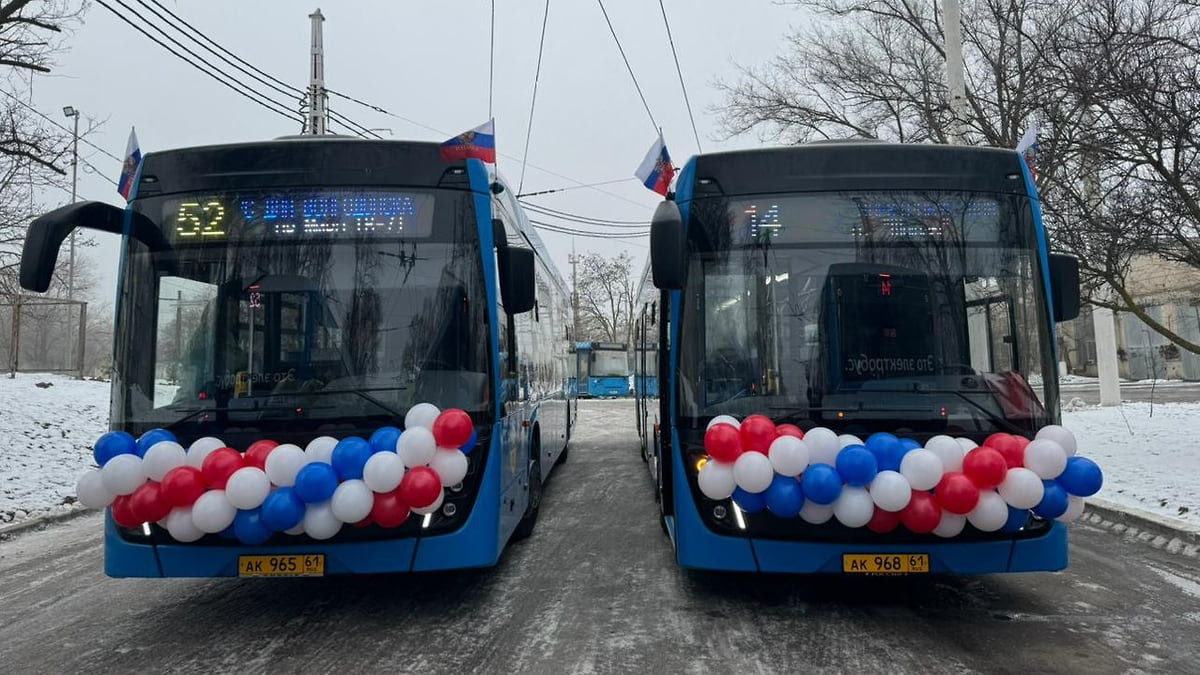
(321, 286)
(861, 287)
(601, 369)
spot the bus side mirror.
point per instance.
(667, 247)
(1064, 286)
(48, 231)
(516, 279)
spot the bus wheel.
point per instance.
(562, 456)
(525, 527)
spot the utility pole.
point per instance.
(574, 260)
(73, 113)
(317, 98)
(955, 81)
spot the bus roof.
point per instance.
(861, 165)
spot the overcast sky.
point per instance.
(428, 61)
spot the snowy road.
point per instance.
(595, 590)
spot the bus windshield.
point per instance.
(609, 364)
(867, 311)
(301, 311)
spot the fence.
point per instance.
(43, 335)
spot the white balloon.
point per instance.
(383, 471)
(724, 419)
(966, 444)
(91, 492)
(352, 501)
(180, 525)
(248, 488)
(212, 512)
(922, 469)
(846, 440)
(416, 446)
(990, 514)
(161, 457)
(421, 415)
(753, 472)
(716, 480)
(951, 525)
(822, 446)
(432, 507)
(949, 451)
(788, 455)
(298, 529)
(1022, 488)
(450, 464)
(814, 513)
(854, 507)
(890, 491)
(123, 474)
(197, 451)
(1074, 509)
(1046, 458)
(1061, 435)
(284, 462)
(319, 521)
(320, 449)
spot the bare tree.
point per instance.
(606, 297)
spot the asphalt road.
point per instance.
(595, 590)
(1173, 392)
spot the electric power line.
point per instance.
(626, 59)
(51, 120)
(574, 187)
(492, 59)
(679, 71)
(580, 218)
(537, 73)
(542, 225)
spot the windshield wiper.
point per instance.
(998, 420)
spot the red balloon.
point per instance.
(147, 503)
(883, 522)
(389, 510)
(922, 514)
(452, 428)
(122, 512)
(365, 522)
(757, 433)
(220, 465)
(956, 493)
(1009, 447)
(182, 486)
(1021, 443)
(722, 443)
(420, 487)
(790, 430)
(256, 454)
(985, 467)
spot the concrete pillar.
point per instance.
(1106, 356)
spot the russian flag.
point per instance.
(129, 169)
(656, 171)
(1028, 147)
(478, 143)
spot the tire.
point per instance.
(534, 505)
(562, 456)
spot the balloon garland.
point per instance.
(886, 481)
(213, 489)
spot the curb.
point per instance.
(13, 529)
(1159, 531)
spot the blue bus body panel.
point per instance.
(695, 545)
(1044, 554)
(394, 555)
(1047, 553)
(615, 385)
(126, 559)
(477, 543)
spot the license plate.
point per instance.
(309, 565)
(885, 563)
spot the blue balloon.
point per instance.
(384, 439)
(282, 510)
(887, 450)
(1016, 520)
(151, 437)
(316, 482)
(750, 502)
(1082, 477)
(350, 455)
(784, 496)
(229, 532)
(1055, 501)
(857, 465)
(470, 444)
(250, 527)
(112, 444)
(909, 444)
(821, 484)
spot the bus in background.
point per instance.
(862, 287)
(601, 369)
(649, 319)
(322, 286)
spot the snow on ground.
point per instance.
(1149, 462)
(46, 436)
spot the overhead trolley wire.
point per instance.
(586, 220)
(679, 71)
(626, 59)
(542, 225)
(537, 73)
(51, 120)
